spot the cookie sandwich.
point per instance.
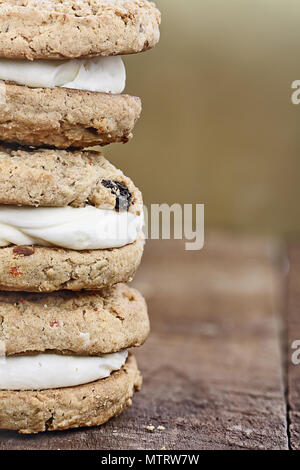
(66, 360)
(61, 71)
(68, 220)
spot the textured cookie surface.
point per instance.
(82, 323)
(63, 118)
(54, 29)
(86, 405)
(43, 269)
(58, 178)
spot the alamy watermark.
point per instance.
(296, 93)
(295, 358)
(177, 222)
(158, 222)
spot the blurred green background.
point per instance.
(218, 126)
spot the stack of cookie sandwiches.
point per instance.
(70, 222)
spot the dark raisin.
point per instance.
(23, 251)
(123, 195)
(93, 130)
(108, 184)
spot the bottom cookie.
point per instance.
(93, 404)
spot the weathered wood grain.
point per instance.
(212, 367)
(293, 315)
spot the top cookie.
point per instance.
(59, 29)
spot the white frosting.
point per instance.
(46, 371)
(86, 228)
(103, 74)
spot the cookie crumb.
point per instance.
(150, 428)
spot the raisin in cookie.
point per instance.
(59, 178)
(43, 269)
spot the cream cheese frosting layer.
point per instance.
(50, 371)
(84, 228)
(101, 74)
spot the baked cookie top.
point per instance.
(83, 323)
(64, 118)
(58, 29)
(58, 178)
(49, 269)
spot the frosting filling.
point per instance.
(84, 228)
(101, 74)
(48, 371)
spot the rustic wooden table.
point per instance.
(217, 366)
